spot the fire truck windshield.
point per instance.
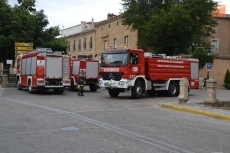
(114, 59)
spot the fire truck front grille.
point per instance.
(114, 76)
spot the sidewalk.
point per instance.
(196, 97)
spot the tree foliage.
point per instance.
(169, 26)
(202, 57)
(23, 23)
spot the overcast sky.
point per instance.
(69, 13)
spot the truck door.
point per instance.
(134, 65)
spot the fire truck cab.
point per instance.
(43, 69)
(139, 72)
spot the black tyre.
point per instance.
(137, 90)
(92, 87)
(31, 90)
(58, 91)
(71, 88)
(113, 92)
(173, 89)
(19, 85)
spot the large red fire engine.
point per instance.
(43, 69)
(139, 72)
(91, 69)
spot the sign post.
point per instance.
(21, 47)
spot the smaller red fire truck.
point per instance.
(139, 72)
(43, 69)
(91, 69)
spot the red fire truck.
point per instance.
(43, 69)
(139, 72)
(91, 69)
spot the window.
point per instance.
(69, 46)
(117, 23)
(105, 44)
(109, 25)
(91, 43)
(126, 41)
(79, 44)
(115, 42)
(215, 45)
(84, 46)
(133, 58)
(74, 45)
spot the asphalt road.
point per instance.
(96, 123)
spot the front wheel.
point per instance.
(113, 92)
(137, 90)
(92, 87)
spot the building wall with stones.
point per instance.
(111, 32)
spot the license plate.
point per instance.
(106, 84)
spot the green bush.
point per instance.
(202, 56)
(227, 79)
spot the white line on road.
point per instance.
(147, 140)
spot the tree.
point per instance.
(22, 23)
(169, 26)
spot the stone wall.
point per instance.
(218, 71)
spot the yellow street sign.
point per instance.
(24, 48)
(22, 44)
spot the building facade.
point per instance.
(111, 32)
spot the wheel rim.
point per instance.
(173, 89)
(139, 90)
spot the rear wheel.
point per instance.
(137, 90)
(31, 90)
(71, 88)
(173, 89)
(58, 91)
(113, 92)
(19, 84)
(92, 87)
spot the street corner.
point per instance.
(197, 110)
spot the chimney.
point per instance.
(110, 15)
(92, 23)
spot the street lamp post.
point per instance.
(208, 63)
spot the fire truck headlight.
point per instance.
(121, 83)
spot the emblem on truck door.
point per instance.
(111, 76)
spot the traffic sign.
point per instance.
(24, 48)
(208, 66)
(22, 44)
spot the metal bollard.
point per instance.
(183, 96)
(211, 85)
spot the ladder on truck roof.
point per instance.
(150, 55)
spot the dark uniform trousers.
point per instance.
(81, 84)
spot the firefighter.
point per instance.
(81, 83)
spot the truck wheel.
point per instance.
(31, 90)
(19, 85)
(71, 88)
(92, 87)
(173, 89)
(58, 91)
(113, 92)
(137, 90)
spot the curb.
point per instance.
(195, 111)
